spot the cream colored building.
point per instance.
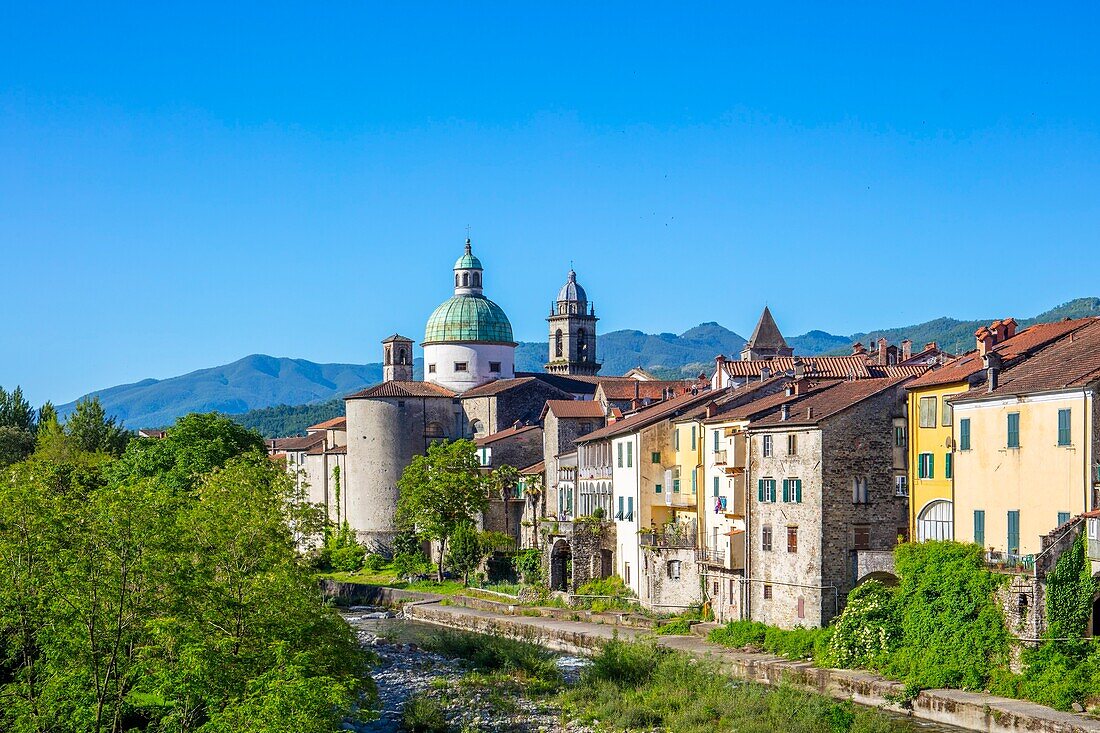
(1026, 455)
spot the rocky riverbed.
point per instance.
(406, 670)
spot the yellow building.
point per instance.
(1026, 452)
(931, 435)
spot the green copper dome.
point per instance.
(468, 318)
(467, 261)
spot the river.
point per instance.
(405, 670)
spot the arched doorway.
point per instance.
(936, 521)
(561, 566)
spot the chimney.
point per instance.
(785, 412)
(809, 413)
(857, 349)
(985, 340)
(881, 358)
(906, 349)
(712, 409)
(1010, 327)
(799, 368)
(991, 362)
(765, 373)
(931, 345)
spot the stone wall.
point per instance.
(1023, 602)
(672, 581)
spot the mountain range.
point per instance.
(259, 381)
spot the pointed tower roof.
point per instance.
(766, 335)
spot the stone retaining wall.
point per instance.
(970, 710)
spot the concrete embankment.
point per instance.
(970, 710)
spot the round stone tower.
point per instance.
(468, 340)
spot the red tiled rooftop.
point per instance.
(574, 408)
(654, 413)
(402, 389)
(506, 433)
(824, 367)
(336, 423)
(820, 404)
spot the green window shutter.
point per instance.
(620, 455)
(1013, 430)
(798, 490)
(964, 434)
(947, 465)
(630, 507)
(715, 441)
(620, 507)
(1063, 427)
(771, 490)
(786, 490)
(931, 465)
(1013, 532)
(760, 490)
(694, 482)
(658, 488)
(921, 471)
(979, 527)
(716, 486)
(630, 455)
(675, 486)
(1063, 517)
(655, 457)
(693, 437)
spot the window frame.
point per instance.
(792, 444)
(461, 366)
(921, 402)
(792, 538)
(1065, 432)
(1012, 430)
(768, 447)
(964, 433)
(766, 538)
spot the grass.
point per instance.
(532, 665)
(798, 643)
(676, 627)
(640, 686)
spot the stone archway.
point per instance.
(561, 566)
(887, 579)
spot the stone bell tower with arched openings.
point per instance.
(572, 332)
(397, 359)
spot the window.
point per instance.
(766, 538)
(859, 490)
(792, 490)
(1063, 517)
(947, 465)
(792, 444)
(861, 537)
(693, 437)
(626, 573)
(557, 344)
(620, 514)
(716, 486)
(676, 438)
(928, 412)
(1013, 430)
(765, 490)
(630, 508)
(494, 367)
(674, 569)
(657, 489)
(715, 441)
(1014, 532)
(767, 446)
(694, 482)
(462, 366)
(1063, 427)
(676, 480)
(767, 591)
(465, 279)
(585, 428)
(792, 539)
(655, 457)
(901, 486)
(630, 455)
(946, 412)
(620, 446)
(964, 434)
(900, 437)
(477, 280)
(926, 466)
(431, 369)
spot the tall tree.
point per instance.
(17, 427)
(440, 492)
(504, 480)
(91, 430)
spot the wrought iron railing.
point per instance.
(1010, 561)
(711, 557)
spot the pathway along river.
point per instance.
(405, 670)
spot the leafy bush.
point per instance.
(952, 631)
(409, 564)
(423, 715)
(346, 559)
(374, 562)
(740, 634)
(796, 643)
(497, 654)
(624, 663)
(676, 627)
(868, 630)
(528, 565)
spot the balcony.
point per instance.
(675, 535)
(719, 457)
(711, 557)
(1008, 562)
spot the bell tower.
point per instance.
(397, 359)
(572, 332)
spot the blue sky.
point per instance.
(185, 184)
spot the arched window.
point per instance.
(403, 358)
(477, 428)
(582, 345)
(935, 522)
(557, 344)
(477, 279)
(456, 279)
(388, 362)
(465, 279)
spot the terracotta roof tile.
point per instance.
(506, 433)
(816, 406)
(1071, 361)
(629, 389)
(573, 408)
(297, 443)
(534, 468)
(336, 423)
(402, 389)
(1023, 343)
(823, 367)
(653, 414)
(497, 386)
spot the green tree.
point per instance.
(441, 491)
(17, 427)
(90, 430)
(504, 480)
(466, 552)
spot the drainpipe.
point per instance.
(746, 605)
